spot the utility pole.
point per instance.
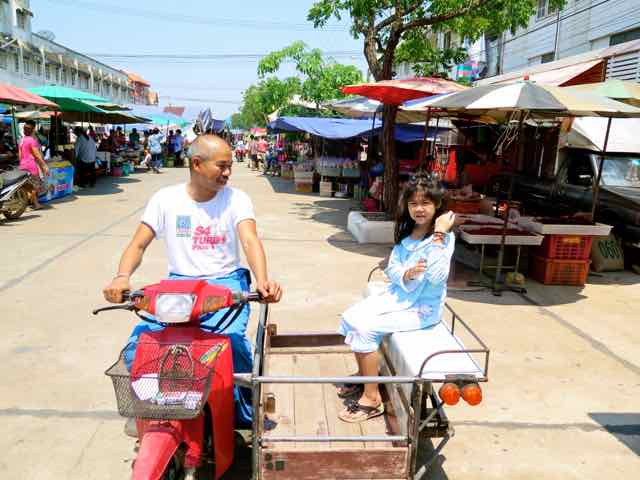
(556, 47)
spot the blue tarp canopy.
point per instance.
(332, 128)
(342, 128)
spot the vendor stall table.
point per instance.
(491, 234)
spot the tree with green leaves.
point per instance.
(262, 99)
(396, 30)
(322, 78)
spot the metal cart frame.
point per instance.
(409, 419)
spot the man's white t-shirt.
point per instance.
(201, 239)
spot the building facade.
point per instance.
(580, 27)
(30, 59)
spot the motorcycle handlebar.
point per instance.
(128, 298)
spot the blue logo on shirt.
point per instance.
(183, 226)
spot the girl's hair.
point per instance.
(431, 188)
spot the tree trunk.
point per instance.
(391, 166)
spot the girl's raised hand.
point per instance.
(444, 223)
(416, 271)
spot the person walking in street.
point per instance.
(155, 147)
(85, 152)
(203, 223)
(178, 145)
(31, 161)
(414, 300)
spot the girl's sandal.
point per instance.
(348, 390)
(356, 413)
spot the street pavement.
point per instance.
(562, 401)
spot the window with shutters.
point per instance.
(4, 61)
(545, 10)
(21, 19)
(623, 37)
(16, 62)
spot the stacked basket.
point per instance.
(562, 260)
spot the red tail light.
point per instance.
(472, 393)
(449, 393)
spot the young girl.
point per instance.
(418, 270)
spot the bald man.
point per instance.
(202, 223)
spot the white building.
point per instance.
(580, 27)
(28, 59)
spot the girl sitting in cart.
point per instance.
(414, 300)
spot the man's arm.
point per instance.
(129, 263)
(37, 154)
(254, 251)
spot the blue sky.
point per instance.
(191, 27)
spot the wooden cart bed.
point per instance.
(312, 410)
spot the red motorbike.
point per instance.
(177, 383)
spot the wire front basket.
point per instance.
(165, 381)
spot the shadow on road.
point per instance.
(624, 426)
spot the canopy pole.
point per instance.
(14, 125)
(371, 136)
(505, 225)
(423, 160)
(596, 185)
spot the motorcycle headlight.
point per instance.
(174, 308)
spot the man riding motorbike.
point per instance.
(202, 222)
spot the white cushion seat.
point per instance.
(408, 350)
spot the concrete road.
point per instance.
(562, 403)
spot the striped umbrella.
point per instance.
(539, 100)
(623, 91)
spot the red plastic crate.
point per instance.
(559, 272)
(565, 247)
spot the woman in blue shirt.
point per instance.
(418, 270)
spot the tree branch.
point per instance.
(425, 22)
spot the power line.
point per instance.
(175, 17)
(208, 56)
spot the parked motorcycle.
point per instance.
(14, 197)
(177, 383)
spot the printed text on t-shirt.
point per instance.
(203, 239)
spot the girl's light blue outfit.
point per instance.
(403, 306)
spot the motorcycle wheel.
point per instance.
(174, 470)
(15, 207)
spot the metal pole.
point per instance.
(596, 185)
(423, 160)
(505, 225)
(284, 379)
(338, 438)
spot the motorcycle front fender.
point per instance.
(157, 447)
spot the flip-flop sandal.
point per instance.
(356, 413)
(348, 390)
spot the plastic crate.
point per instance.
(566, 247)
(549, 271)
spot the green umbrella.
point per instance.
(69, 99)
(627, 92)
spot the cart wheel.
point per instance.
(17, 205)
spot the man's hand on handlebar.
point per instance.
(113, 292)
(271, 291)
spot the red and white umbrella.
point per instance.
(396, 92)
(17, 96)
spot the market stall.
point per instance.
(516, 104)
